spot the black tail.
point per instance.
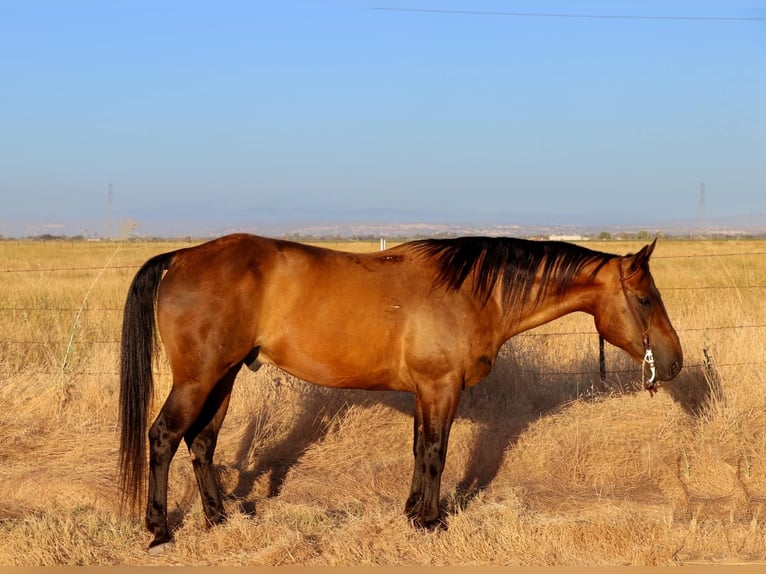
(136, 381)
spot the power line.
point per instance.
(573, 16)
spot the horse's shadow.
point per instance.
(503, 405)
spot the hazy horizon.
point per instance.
(391, 222)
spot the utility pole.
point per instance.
(703, 214)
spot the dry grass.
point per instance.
(543, 468)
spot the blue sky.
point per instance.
(218, 110)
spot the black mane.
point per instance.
(513, 262)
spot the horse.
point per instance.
(427, 316)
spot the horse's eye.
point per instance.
(645, 301)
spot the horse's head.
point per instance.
(630, 314)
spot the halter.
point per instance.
(650, 385)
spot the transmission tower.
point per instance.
(703, 213)
(109, 214)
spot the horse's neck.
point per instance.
(531, 313)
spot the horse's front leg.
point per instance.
(414, 503)
(434, 413)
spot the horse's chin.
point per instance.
(668, 374)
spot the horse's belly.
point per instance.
(339, 366)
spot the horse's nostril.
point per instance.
(674, 368)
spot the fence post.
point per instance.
(601, 358)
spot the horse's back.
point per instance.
(338, 318)
(330, 317)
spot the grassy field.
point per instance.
(547, 465)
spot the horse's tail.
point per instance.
(139, 342)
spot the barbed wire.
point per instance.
(137, 265)
(706, 255)
(544, 373)
(518, 336)
(105, 309)
(24, 309)
(52, 269)
(60, 309)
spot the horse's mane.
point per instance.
(513, 262)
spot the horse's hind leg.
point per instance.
(201, 439)
(182, 407)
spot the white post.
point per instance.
(382, 243)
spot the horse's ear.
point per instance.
(641, 258)
(648, 249)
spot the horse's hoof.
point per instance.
(431, 525)
(412, 514)
(159, 548)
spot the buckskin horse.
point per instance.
(427, 316)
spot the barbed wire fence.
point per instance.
(602, 368)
